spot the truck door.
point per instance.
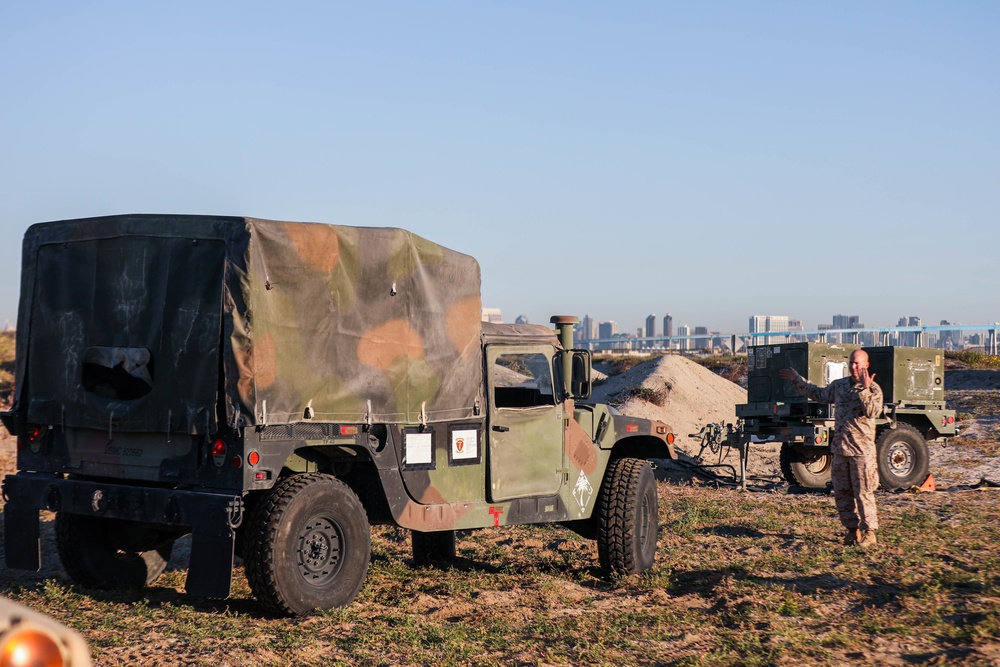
(525, 444)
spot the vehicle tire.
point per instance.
(436, 548)
(97, 552)
(811, 468)
(308, 545)
(627, 519)
(903, 458)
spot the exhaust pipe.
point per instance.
(564, 328)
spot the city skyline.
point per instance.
(836, 321)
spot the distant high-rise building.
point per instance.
(950, 339)
(684, 330)
(492, 315)
(668, 325)
(587, 329)
(795, 325)
(607, 329)
(522, 319)
(651, 326)
(701, 343)
(765, 324)
(846, 322)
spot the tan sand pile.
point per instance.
(692, 395)
(687, 396)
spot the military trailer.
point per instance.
(912, 382)
(275, 388)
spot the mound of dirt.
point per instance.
(691, 396)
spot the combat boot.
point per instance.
(852, 537)
(867, 539)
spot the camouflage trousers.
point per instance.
(855, 479)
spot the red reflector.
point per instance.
(253, 458)
(218, 448)
(819, 439)
(951, 420)
(348, 430)
(670, 438)
(632, 428)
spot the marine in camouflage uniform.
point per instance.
(858, 401)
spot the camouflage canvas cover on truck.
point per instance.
(325, 321)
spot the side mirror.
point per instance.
(580, 383)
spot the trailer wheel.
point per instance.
(97, 552)
(308, 545)
(903, 458)
(627, 518)
(808, 467)
(436, 548)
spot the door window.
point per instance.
(522, 380)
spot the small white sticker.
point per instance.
(418, 449)
(583, 490)
(464, 445)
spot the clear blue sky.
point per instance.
(713, 160)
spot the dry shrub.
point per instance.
(655, 395)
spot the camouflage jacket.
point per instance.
(856, 410)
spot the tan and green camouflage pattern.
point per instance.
(314, 321)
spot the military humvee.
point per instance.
(912, 382)
(273, 388)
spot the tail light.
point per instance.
(34, 437)
(947, 420)
(219, 452)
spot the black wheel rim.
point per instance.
(320, 551)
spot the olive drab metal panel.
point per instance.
(908, 374)
(819, 363)
(526, 454)
(132, 318)
(905, 374)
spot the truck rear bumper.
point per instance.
(210, 517)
